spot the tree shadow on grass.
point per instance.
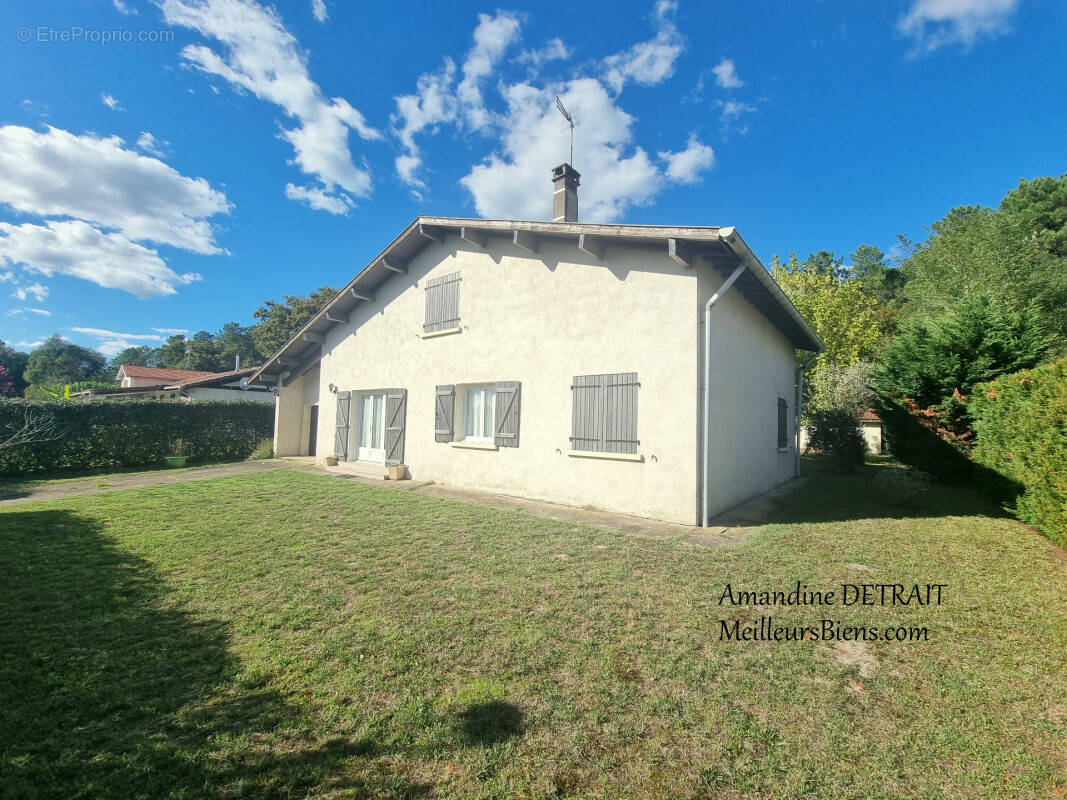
(881, 489)
(486, 724)
(108, 690)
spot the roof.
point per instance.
(210, 378)
(722, 249)
(162, 373)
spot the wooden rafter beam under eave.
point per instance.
(592, 245)
(362, 295)
(298, 371)
(311, 336)
(393, 265)
(679, 251)
(431, 233)
(526, 240)
(474, 236)
(336, 319)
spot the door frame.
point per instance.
(368, 454)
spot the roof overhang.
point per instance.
(720, 248)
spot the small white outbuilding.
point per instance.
(559, 361)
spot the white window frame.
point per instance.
(485, 434)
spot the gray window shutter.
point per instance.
(344, 404)
(396, 411)
(604, 413)
(783, 424)
(620, 413)
(442, 303)
(444, 414)
(508, 401)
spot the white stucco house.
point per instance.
(649, 370)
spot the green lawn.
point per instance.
(290, 635)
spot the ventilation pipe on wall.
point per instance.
(705, 493)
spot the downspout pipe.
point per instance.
(800, 410)
(705, 492)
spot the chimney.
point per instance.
(565, 194)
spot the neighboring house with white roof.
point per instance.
(555, 360)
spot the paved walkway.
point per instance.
(725, 530)
(99, 484)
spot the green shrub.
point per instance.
(264, 449)
(132, 433)
(1021, 422)
(837, 433)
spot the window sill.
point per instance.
(475, 445)
(608, 456)
(445, 332)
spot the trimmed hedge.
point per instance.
(1021, 422)
(132, 433)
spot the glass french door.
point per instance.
(370, 435)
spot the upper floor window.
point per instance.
(442, 303)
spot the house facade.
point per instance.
(556, 361)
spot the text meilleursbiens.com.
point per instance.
(829, 630)
(864, 594)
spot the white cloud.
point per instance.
(39, 291)
(933, 23)
(171, 331)
(31, 345)
(686, 165)
(554, 50)
(150, 144)
(726, 74)
(112, 342)
(318, 10)
(7, 276)
(732, 112)
(651, 62)
(261, 56)
(122, 8)
(58, 174)
(492, 37)
(17, 311)
(319, 198)
(110, 102)
(514, 183)
(72, 247)
(435, 102)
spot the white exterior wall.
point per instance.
(539, 320)
(542, 320)
(752, 365)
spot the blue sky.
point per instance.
(170, 165)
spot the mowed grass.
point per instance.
(290, 635)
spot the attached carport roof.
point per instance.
(722, 248)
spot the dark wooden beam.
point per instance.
(679, 251)
(592, 245)
(526, 240)
(473, 235)
(431, 233)
(361, 294)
